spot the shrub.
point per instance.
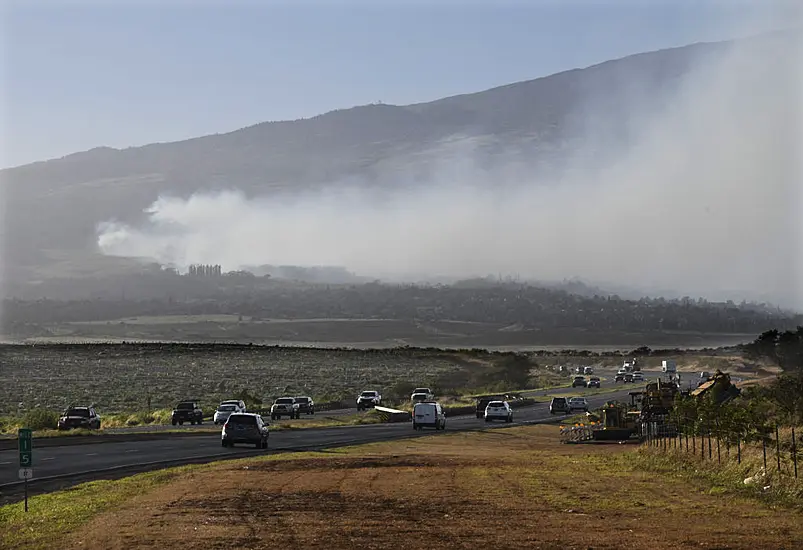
(41, 419)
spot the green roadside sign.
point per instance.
(25, 442)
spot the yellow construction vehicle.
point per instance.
(618, 422)
(719, 386)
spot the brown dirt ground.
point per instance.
(512, 488)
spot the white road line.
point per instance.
(132, 450)
(4, 463)
(92, 454)
(48, 458)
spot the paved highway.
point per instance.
(82, 460)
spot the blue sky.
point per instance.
(77, 75)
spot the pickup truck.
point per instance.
(284, 406)
(422, 394)
(368, 399)
(187, 411)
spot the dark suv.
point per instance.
(79, 417)
(559, 405)
(245, 428)
(187, 411)
(305, 405)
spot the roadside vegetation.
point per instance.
(521, 481)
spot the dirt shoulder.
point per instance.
(509, 488)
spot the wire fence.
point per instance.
(775, 447)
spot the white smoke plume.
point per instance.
(707, 202)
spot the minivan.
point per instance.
(429, 415)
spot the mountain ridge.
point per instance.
(409, 107)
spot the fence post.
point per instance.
(738, 449)
(764, 449)
(719, 435)
(710, 457)
(687, 441)
(778, 450)
(794, 451)
(694, 443)
(702, 446)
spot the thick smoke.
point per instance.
(706, 201)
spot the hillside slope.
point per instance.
(56, 205)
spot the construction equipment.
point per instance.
(719, 386)
(657, 401)
(618, 422)
(658, 398)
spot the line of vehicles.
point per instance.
(427, 412)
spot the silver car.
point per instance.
(578, 404)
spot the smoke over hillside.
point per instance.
(704, 198)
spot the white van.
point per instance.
(430, 415)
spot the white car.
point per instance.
(499, 410)
(578, 404)
(225, 410)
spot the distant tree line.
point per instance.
(784, 348)
(526, 306)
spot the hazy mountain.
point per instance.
(56, 205)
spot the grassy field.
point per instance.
(372, 333)
(124, 377)
(511, 488)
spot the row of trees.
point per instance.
(527, 306)
(752, 414)
(783, 348)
